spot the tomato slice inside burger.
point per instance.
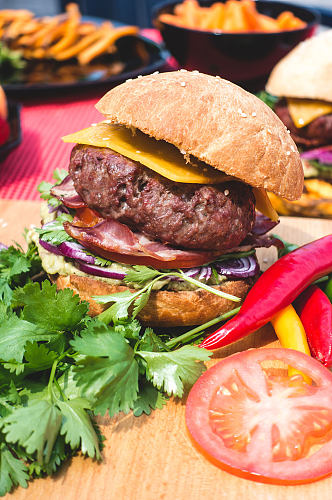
(251, 419)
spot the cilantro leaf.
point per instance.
(60, 452)
(44, 187)
(14, 269)
(13, 472)
(99, 261)
(130, 330)
(149, 398)
(60, 175)
(77, 427)
(14, 335)
(54, 232)
(68, 384)
(152, 342)
(39, 357)
(119, 310)
(51, 309)
(14, 367)
(108, 372)
(5, 291)
(140, 274)
(35, 427)
(172, 371)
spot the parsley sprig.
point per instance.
(126, 303)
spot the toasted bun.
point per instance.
(213, 120)
(164, 309)
(306, 72)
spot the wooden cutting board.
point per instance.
(151, 457)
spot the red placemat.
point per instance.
(42, 151)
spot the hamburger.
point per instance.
(302, 82)
(170, 180)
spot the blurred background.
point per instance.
(128, 11)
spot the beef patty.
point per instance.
(316, 133)
(192, 216)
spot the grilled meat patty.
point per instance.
(316, 133)
(192, 216)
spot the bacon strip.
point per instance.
(112, 237)
(67, 194)
(256, 241)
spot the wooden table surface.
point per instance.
(151, 457)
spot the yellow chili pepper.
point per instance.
(291, 334)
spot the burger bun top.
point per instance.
(306, 72)
(214, 121)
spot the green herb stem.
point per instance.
(185, 337)
(50, 382)
(210, 289)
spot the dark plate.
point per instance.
(15, 130)
(136, 55)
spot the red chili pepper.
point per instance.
(277, 287)
(315, 311)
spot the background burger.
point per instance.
(303, 83)
(170, 181)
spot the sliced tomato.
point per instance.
(251, 419)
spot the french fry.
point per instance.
(70, 34)
(15, 28)
(219, 16)
(190, 13)
(81, 45)
(212, 16)
(235, 19)
(286, 20)
(53, 33)
(86, 29)
(250, 13)
(267, 24)
(101, 45)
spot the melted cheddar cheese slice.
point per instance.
(304, 111)
(160, 156)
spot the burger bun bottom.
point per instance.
(164, 308)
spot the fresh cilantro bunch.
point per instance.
(59, 368)
(16, 268)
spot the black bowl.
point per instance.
(244, 58)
